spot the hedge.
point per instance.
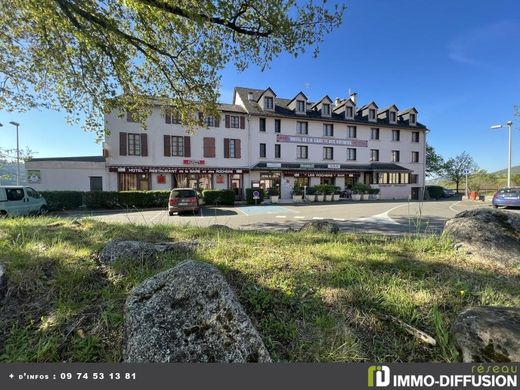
(435, 192)
(68, 200)
(249, 195)
(219, 197)
(63, 200)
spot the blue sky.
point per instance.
(457, 62)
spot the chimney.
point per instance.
(337, 101)
(250, 96)
(353, 97)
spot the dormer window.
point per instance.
(392, 116)
(412, 119)
(268, 103)
(349, 112)
(372, 114)
(300, 105)
(325, 109)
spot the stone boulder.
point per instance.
(320, 226)
(488, 334)
(124, 249)
(3, 281)
(488, 234)
(189, 314)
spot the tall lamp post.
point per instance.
(510, 125)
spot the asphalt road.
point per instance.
(390, 217)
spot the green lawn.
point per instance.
(313, 297)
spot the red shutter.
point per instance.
(122, 144)
(242, 122)
(226, 147)
(187, 146)
(228, 121)
(167, 146)
(144, 144)
(238, 152)
(209, 147)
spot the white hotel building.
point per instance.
(259, 140)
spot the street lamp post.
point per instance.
(509, 124)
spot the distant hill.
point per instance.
(515, 169)
(8, 173)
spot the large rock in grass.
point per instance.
(320, 226)
(126, 249)
(3, 281)
(489, 234)
(488, 334)
(189, 314)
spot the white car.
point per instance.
(18, 200)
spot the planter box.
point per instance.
(320, 198)
(310, 198)
(335, 197)
(274, 199)
(356, 196)
(373, 196)
(327, 198)
(297, 198)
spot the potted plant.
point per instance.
(373, 194)
(297, 194)
(328, 191)
(273, 194)
(358, 191)
(320, 195)
(310, 194)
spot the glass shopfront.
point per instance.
(269, 180)
(134, 181)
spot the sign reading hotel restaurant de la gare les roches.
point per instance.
(320, 140)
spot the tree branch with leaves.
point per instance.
(90, 57)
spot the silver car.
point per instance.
(18, 200)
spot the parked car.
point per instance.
(508, 196)
(18, 200)
(184, 199)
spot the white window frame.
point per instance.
(328, 153)
(328, 130)
(268, 106)
(299, 125)
(323, 111)
(300, 106)
(351, 154)
(136, 147)
(349, 129)
(177, 146)
(300, 148)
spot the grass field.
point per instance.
(313, 297)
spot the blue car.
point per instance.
(509, 196)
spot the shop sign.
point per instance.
(300, 139)
(334, 166)
(194, 162)
(274, 165)
(34, 176)
(176, 170)
(220, 179)
(307, 166)
(161, 179)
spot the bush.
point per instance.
(272, 191)
(126, 199)
(63, 200)
(297, 191)
(373, 191)
(435, 192)
(101, 200)
(249, 195)
(360, 188)
(219, 197)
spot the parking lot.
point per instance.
(390, 217)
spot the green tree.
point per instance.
(455, 168)
(435, 164)
(89, 57)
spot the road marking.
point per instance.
(281, 216)
(338, 219)
(383, 217)
(242, 211)
(317, 217)
(453, 205)
(299, 216)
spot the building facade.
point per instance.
(261, 140)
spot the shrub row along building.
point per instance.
(260, 140)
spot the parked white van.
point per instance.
(17, 200)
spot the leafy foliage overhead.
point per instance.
(93, 56)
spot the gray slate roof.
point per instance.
(281, 110)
